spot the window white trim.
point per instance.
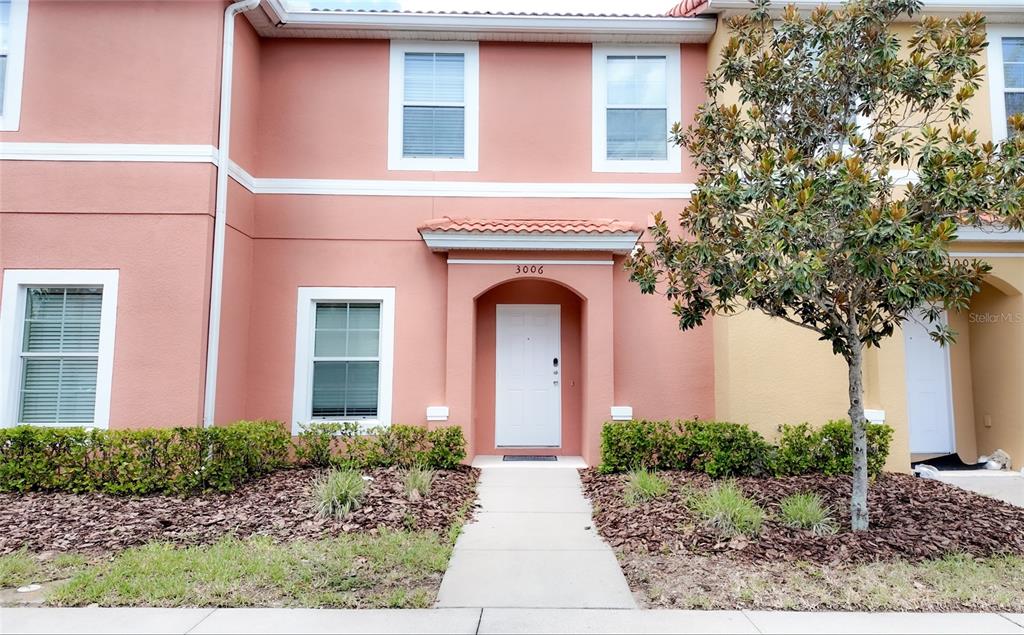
(12, 312)
(10, 110)
(996, 79)
(673, 161)
(396, 98)
(302, 401)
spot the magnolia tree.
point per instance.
(835, 169)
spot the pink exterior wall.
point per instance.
(121, 72)
(339, 128)
(531, 291)
(103, 72)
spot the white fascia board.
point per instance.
(988, 235)
(480, 26)
(447, 241)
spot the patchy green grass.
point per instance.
(338, 492)
(386, 570)
(21, 568)
(644, 485)
(952, 583)
(728, 511)
(807, 511)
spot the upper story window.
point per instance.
(434, 106)
(1006, 75)
(58, 330)
(636, 101)
(13, 25)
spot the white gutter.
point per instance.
(484, 26)
(221, 206)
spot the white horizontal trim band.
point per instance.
(986, 254)
(145, 152)
(497, 261)
(456, 189)
(979, 235)
(186, 153)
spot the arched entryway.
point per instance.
(528, 375)
(987, 363)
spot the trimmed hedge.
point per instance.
(723, 449)
(829, 449)
(167, 461)
(342, 445)
(718, 448)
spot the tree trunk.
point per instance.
(859, 495)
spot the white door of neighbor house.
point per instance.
(929, 392)
(528, 376)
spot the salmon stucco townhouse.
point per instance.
(387, 216)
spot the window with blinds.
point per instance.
(5, 45)
(346, 360)
(1013, 75)
(637, 107)
(60, 355)
(434, 106)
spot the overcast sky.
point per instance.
(532, 6)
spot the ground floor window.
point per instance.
(57, 334)
(344, 355)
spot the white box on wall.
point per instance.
(622, 413)
(437, 413)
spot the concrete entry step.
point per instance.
(532, 545)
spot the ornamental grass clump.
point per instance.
(644, 485)
(807, 511)
(418, 482)
(338, 492)
(728, 511)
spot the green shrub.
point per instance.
(721, 449)
(138, 462)
(717, 448)
(417, 482)
(807, 511)
(338, 492)
(644, 485)
(828, 450)
(728, 511)
(316, 442)
(342, 446)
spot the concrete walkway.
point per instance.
(189, 621)
(532, 544)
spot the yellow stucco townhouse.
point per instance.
(967, 398)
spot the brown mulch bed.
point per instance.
(911, 519)
(278, 506)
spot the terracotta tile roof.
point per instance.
(686, 8)
(529, 226)
(523, 14)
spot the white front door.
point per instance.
(528, 376)
(929, 401)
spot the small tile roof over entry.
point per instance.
(529, 226)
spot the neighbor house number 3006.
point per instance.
(524, 269)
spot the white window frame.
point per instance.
(12, 324)
(996, 78)
(672, 163)
(10, 110)
(305, 324)
(396, 99)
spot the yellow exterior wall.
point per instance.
(769, 372)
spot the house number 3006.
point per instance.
(524, 269)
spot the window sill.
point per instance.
(413, 164)
(666, 166)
